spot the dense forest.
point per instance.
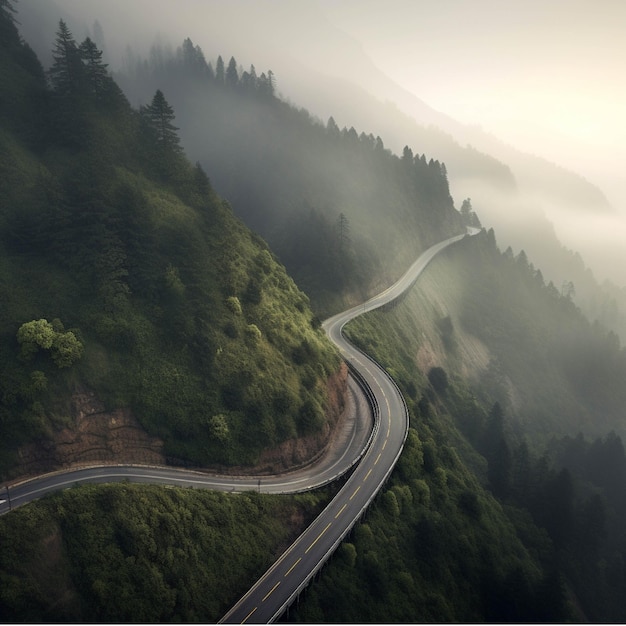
(124, 272)
(274, 163)
(484, 352)
(323, 197)
(129, 553)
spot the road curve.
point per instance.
(278, 587)
(347, 449)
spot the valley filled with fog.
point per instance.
(464, 86)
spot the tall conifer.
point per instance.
(95, 70)
(66, 71)
(159, 115)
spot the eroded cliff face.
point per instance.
(97, 436)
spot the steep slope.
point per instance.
(129, 553)
(513, 192)
(500, 373)
(124, 274)
(328, 200)
(160, 300)
(275, 148)
(488, 318)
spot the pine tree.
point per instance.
(193, 59)
(67, 69)
(219, 70)
(267, 84)
(159, 115)
(96, 73)
(332, 128)
(466, 210)
(253, 77)
(161, 137)
(232, 77)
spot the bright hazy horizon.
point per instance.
(545, 76)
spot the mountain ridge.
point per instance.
(123, 268)
(150, 291)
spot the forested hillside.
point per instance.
(140, 553)
(507, 503)
(123, 273)
(339, 209)
(288, 179)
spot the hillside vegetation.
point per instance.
(124, 273)
(130, 553)
(298, 180)
(507, 502)
(342, 212)
(489, 317)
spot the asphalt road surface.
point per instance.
(279, 586)
(347, 448)
(371, 450)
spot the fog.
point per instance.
(544, 78)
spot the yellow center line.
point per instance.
(248, 616)
(341, 510)
(367, 475)
(296, 563)
(377, 458)
(318, 537)
(354, 494)
(384, 443)
(271, 591)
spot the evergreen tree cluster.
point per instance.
(189, 61)
(291, 177)
(551, 373)
(574, 491)
(572, 381)
(171, 307)
(108, 230)
(437, 547)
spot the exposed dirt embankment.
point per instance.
(100, 437)
(96, 436)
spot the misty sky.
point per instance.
(547, 76)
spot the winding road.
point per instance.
(371, 451)
(279, 586)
